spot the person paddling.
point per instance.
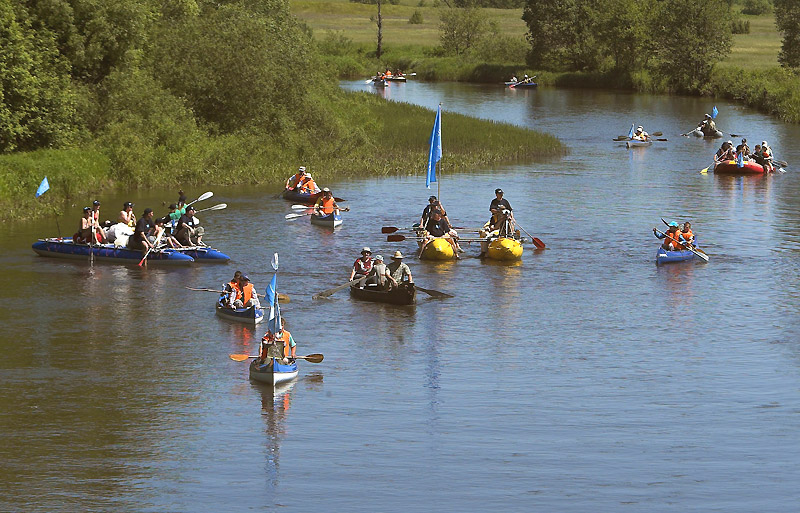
(671, 237)
(231, 291)
(141, 235)
(325, 204)
(247, 296)
(399, 270)
(725, 152)
(766, 154)
(86, 227)
(640, 134)
(363, 265)
(294, 180)
(280, 346)
(379, 274)
(707, 126)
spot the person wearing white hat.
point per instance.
(398, 270)
(766, 155)
(307, 185)
(325, 204)
(380, 273)
(363, 265)
(295, 179)
(640, 134)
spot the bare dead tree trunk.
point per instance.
(380, 35)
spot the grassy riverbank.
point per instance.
(368, 137)
(750, 74)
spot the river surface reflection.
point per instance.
(584, 378)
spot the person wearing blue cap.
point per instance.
(671, 238)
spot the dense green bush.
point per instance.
(740, 27)
(416, 18)
(756, 7)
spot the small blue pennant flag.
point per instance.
(630, 134)
(714, 112)
(740, 159)
(274, 307)
(43, 187)
(435, 152)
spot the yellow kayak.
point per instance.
(505, 249)
(438, 249)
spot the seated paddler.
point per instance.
(279, 345)
(248, 296)
(295, 179)
(671, 237)
(363, 264)
(325, 204)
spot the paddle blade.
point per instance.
(433, 293)
(313, 358)
(389, 229)
(283, 298)
(205, 196)
(242, 357)
(293, 216)
(704, 171)
(538, 243)
(395, 238)
(301, 207)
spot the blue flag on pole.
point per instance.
(43, 187)
(274, 306)
(630, 134)
(740, 160)
(435, 153)
(714, 112)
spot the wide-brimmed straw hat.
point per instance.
(397, 255)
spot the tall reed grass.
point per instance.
(366, 136)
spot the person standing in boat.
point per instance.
(325, 204)
(295, 179)
(363, 265)
(671, 237)
(399, 270)
(496, 207)
(141, 235)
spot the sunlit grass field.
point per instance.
(756, 50)
(354, 20)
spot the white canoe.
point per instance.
(272, 374)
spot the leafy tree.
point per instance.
(756, 7)
(563, 33)
(622, 29)
(37, 103)
(689, 37)
(787, 18)
(95, 35)
(460, 29)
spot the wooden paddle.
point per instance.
(283, 298)
(312, 358)
(326, 293)
(702, 255)
(433, 293)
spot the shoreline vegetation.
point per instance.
(145, 93)
(750, 73)
(391, 139)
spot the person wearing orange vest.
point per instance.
(326, 204)
(279, 345)
(671, 237)
(307, 185)
(296, 178)
(687, 237)
(247, 296)
(230, 291)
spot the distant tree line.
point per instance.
(679, 41)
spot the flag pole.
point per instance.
(439, 180)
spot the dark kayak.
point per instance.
(404, 294)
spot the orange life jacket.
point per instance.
(326, 204)
(673, 238)
(687, 236)
(307, 185)
(247, 293)
(236, 292)
(284, 337)
(293, 180)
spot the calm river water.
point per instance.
(583, 379)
